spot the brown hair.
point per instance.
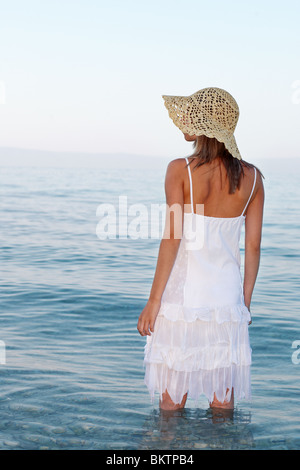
(208, 149)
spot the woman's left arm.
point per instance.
(168, 246)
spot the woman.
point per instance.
(197, 316)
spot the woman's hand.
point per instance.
(147, 318)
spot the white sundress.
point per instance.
(200, 344)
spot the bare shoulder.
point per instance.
(177, 164)
(249, 173)
(256, 202)
(175, 167)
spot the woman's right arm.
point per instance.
(253, 231)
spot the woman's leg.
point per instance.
(228, 404)
(167, 404)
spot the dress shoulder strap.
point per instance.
(191, 185)
(251, 191)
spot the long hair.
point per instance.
(208, 149)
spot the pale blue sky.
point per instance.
(88, 75)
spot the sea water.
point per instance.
(71, 357)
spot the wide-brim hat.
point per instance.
(211, 111)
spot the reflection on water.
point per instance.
(197, 429)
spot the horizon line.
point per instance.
(105, 153)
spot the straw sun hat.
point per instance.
(211, 111)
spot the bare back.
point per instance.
(211, 188)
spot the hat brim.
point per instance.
(178, 107)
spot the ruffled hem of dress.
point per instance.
(218, 314)
(218, 383)
(197, 359)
